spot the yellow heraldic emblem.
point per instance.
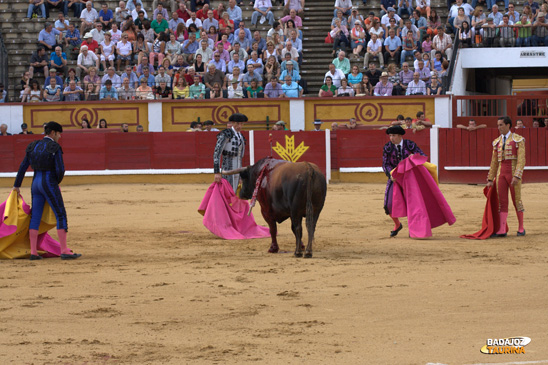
(289, 152)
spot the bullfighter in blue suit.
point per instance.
(46, 158)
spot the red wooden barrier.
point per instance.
(461, 148)
(300, 146)
(364, 148)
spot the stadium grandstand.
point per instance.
(81, 52)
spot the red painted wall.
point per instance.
(463, 148)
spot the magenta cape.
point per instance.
(225, 215)
(417, 197)
(14, 230)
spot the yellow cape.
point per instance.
(17, 244)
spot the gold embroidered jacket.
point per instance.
(513, 150)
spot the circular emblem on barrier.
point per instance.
(77, 115)
(222, 113)
(368, 112)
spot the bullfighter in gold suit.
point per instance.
(507, 164)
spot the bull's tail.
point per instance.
(310, 224)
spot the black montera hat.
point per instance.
(395, 129)
(238, 118)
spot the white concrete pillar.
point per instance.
(155, 117)
(296, 115)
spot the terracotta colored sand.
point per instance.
(154, 286)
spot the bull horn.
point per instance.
(234, 172)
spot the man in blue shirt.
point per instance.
(105, 16)
(190, 46)
(234, 12)
(132, 77)
(53, 73)
(392, 46)
(58, 60)
(108, 92)
(291, 89)
(47, 36)
(289, 71)
(236, 61)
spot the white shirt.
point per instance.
(374, 47)
(88, 60)
(98, 36)
(198, 22)
(454, 11)
(135, 14)
(336, 77)
(124, 49)
(343, 3)
(422, 3)
(89, 16)
(385, 20)
(116, 36)
(262, 4)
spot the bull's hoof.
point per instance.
(298, 254)
(273, 249)
(308, 255)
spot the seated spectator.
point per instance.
(434, 22)
(219, 64)
(90, 92)
(97, 33)
(344, 6)
(4, 130)
(73, 92)
(131, 76)
(89, 17)
(189, 48)
(48, 36)
(256, 62)
(291, 72)
(489, 33)
(216, 91)
(294, 19)
(273, 89)
(291, 89)
(197, 90)
(339, 16)
(162, 77)
(272, 67)
(328, 89)
(443, 43)
(245, 43)
(392, 46)
(423, 7)
(61, 24)
(159, 25)
(53, 91)
(72, 41)
(111, 76)
(144, 91)
(472, 126)
(297, 5)
(409, 47)
(213, 76)
(262, 8)
(202, 13)
(151, 81)
(465, 35)
(250, 75)
(342, 63)
(410, 27)
(276, 29)
(130, 29)
(140, 20)
(254, 90)
(194, 20)
(391, 15)
(126, 92)
(159, 9)
(383, 87)
(495, 14)
(385, 5)
(35, 5)
(376, 29)
(421, 122)
(340, 35)
(394, 79)
(373, 75)
(335, 74)
(124, 51)
(289, 49)
(33, 93)
(76, 5)
(416, 86)
(374, 49)
(106, 16)
(405, 8)
(354, 78)
(357, 39)
(39, 63)
(121, 13)
(181, 90)
(90, 43)
(86, 59)
(53, 74)
(236, 62)
(163, 91)
(435, 87)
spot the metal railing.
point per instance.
(4, 65)
(447, 80)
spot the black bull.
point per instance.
(286, 190)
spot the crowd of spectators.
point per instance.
(193, 52)
(187, 49)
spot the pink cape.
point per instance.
(14, 232)
(225, 215)
(417, 197)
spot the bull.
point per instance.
(285, 190)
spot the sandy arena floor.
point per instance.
(154, 286)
